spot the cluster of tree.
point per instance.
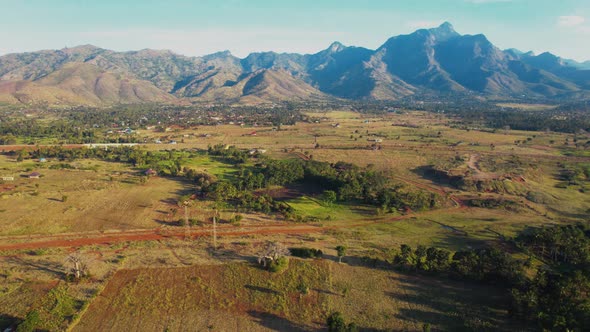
(492, 203)
(202, 180)
(163, 162)
(306, 252)
(230, 154)
(31, 130)
(555, 301)
(555, 120)
(264, 203)
(558, 298)
(347, 181)
(574, 174)
(342, 181)
(117, 154)
(87, 124)
(473, 112)
(336, 323)
(243, 200)
(567, 246)
(486, 265)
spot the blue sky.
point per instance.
(200, 27)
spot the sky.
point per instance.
(200, 27)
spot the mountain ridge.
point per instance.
(437, 60)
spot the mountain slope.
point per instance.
(82, 83)
(433, 61)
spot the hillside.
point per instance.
(438, 60)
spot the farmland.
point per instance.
(150, 257)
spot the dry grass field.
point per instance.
(185, 281)
(240, 297)
(99, 196)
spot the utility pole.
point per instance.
(215, 230)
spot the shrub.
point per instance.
(306, 252)
(336, 323)
(30, 323)
(194, 222)
(235, 220)
(538, 197)
(279, 264)
(303, 288)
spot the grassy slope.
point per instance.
(241, 296)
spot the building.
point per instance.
(34, 175)
(257, 151)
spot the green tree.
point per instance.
(32, 320)
(329, 197)
(341, 250)
(336, 323)
(223, 191)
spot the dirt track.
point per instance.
(75, 240)
(149, 235)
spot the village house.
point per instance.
(255, 151)
(34, 175)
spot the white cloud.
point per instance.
(574, 24)
(570, 21)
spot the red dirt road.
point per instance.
(54, 241)
(75, 240)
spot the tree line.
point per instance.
(557, 298)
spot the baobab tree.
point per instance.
(185, 201)
(271, 253)
(76, 265)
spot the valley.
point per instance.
(175, 229)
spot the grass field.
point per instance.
(239, 296)
(100, 197)
(189, 284)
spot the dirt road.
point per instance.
(157, 234)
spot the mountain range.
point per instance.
(433, 61)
